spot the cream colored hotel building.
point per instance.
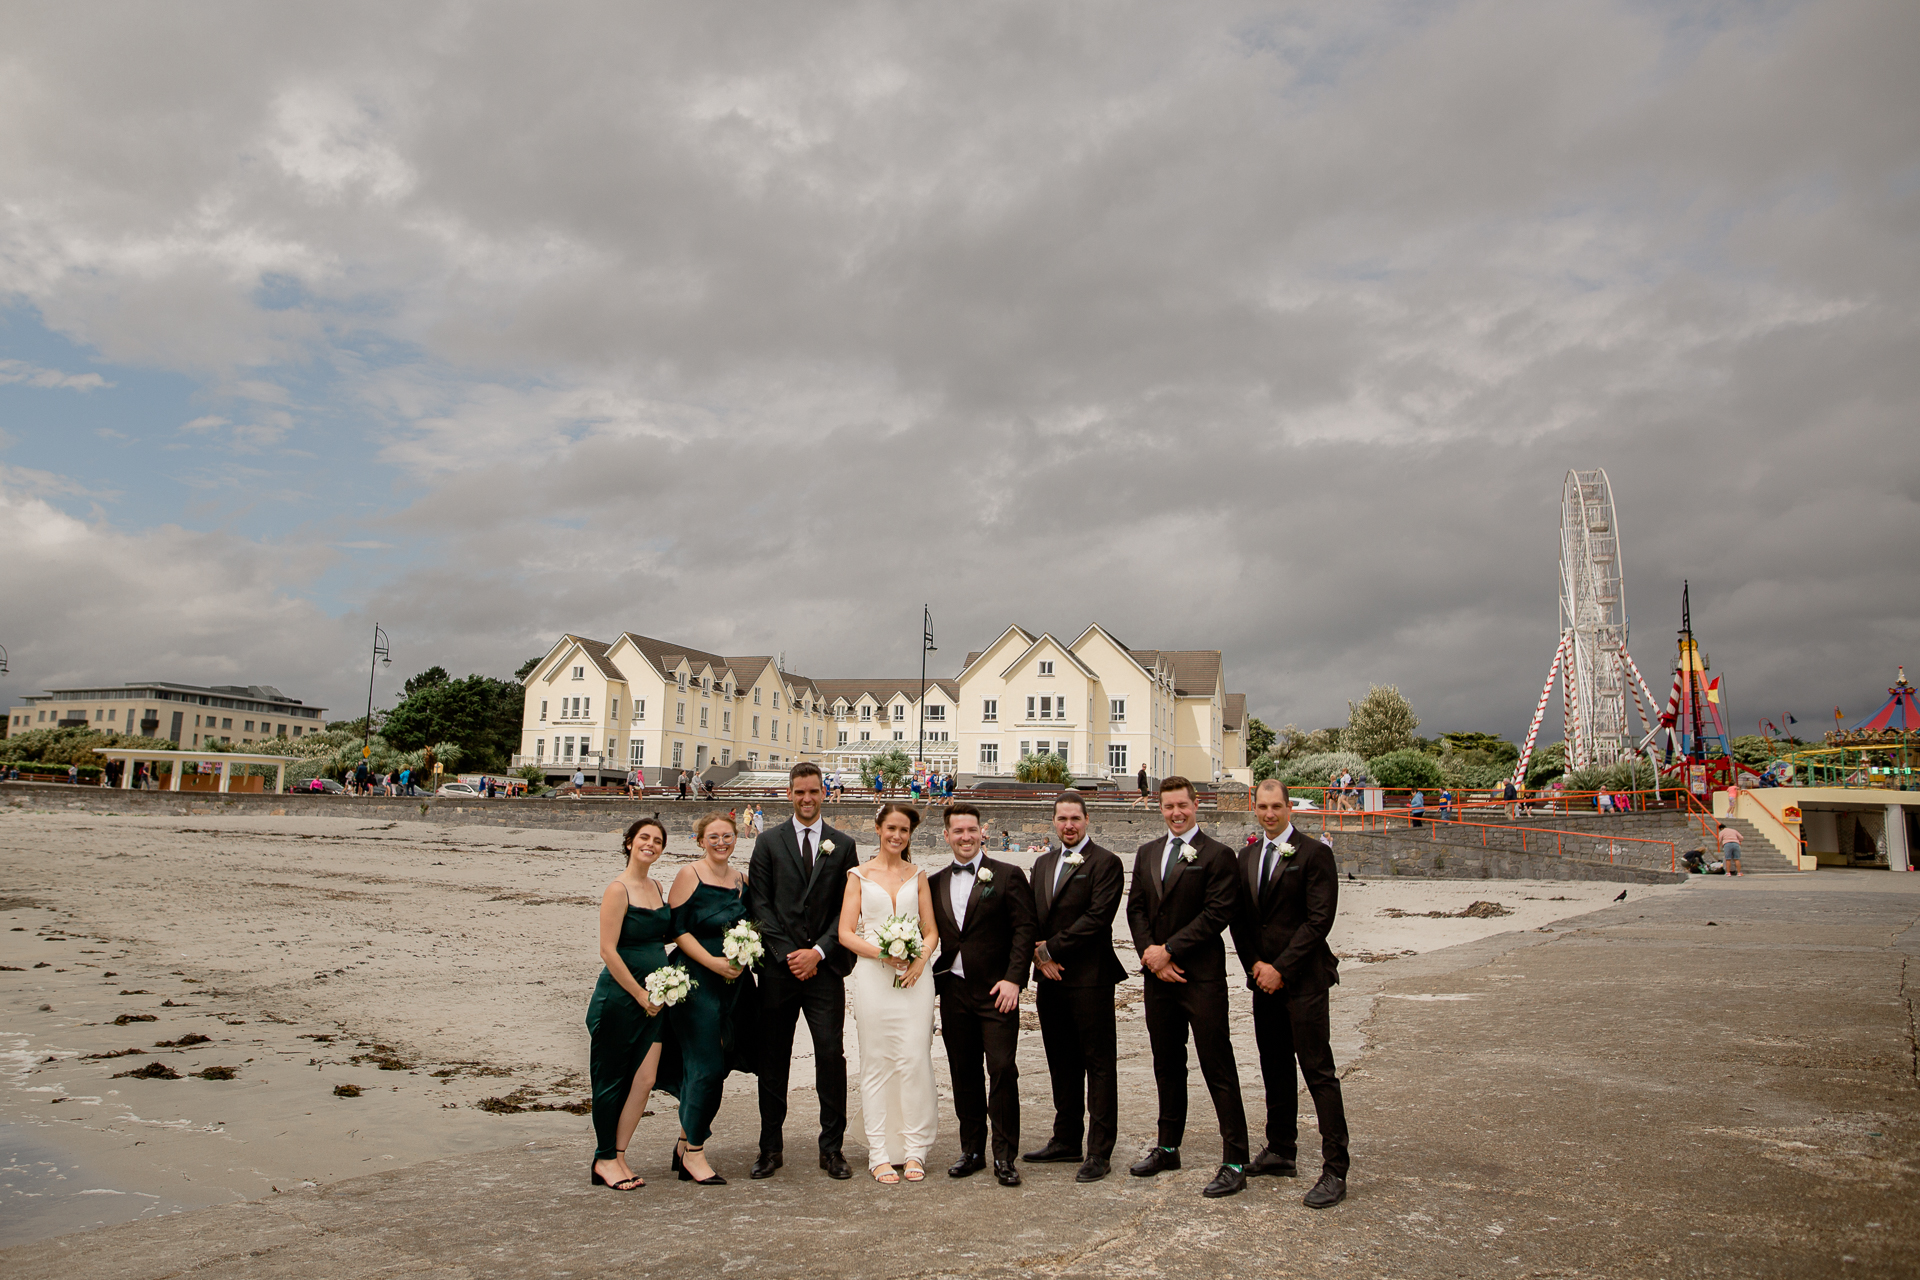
(607, 709)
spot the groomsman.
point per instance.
(984, 912)
(1185, 890)
(1077, 888)
(795, 883)
(1289, 892)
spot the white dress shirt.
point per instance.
(1060, 868)
(959, 889)
(1166, 856)
(800, 830)
(1269, 849)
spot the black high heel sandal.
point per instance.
(715, 1181)
(679, 1165)
(625, 1184)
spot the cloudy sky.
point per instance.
(1268, 328)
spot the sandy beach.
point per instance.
(443, 972)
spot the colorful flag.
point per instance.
(1790, 719)
(1713, 690)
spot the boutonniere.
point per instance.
(1287, 850)
(985, 875)
(826, 846)
(1189, 854)
(1074, 859)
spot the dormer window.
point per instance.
(899, 712)
(866, 713)
(683, 682)
(1046, 666)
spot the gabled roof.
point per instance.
(1196, 672)
(1072, 657)
(596, 654)
(1234, 715)
(1146, 665)
(978, 654)
(665, 657)
(883, 690)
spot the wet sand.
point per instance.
(433, 968)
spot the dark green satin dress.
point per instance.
(622, 1031)
(711, 1028)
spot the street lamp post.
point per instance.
(380, 654)
(926, 647)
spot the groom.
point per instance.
(984, 912)
(1185, 889)
(795, 883)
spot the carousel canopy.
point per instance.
(1899, 713)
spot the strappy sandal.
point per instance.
(885, 1175)
(711, 1180)
(625, 1184)
(915, 1171)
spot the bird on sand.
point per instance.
(1352, 876)
(1622, 897)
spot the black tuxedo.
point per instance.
(994, 945)
(1075, 922)
(796, 909)
(1186, 913)
(1283, 920)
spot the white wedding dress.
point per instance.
(894, 1029)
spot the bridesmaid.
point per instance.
(625, 1025)
(707, 897)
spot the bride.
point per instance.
(894, 1023)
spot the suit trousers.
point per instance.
(974, 1031)
(823, 998)
(1174, 1008)
(1293, 1024)
(1077, 1027)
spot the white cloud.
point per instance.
(33, 375)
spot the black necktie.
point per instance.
(1173, 855)
(806, 848)
(1266, 863)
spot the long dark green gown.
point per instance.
(622, 1031)
(712, 1026)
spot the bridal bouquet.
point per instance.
(741, 944)
(669, 985)
(898, 938)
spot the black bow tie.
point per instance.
(965, 868)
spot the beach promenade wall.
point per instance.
(1395, 851)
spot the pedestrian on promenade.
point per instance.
(1140, 802)
(1730, 849)
(1512, 796)
(1418, 808)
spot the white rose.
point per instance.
(1074, 859)
(986, 875)
(826, 846)
(897, 949)
(1287, 850)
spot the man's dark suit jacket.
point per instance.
(796, 910)
(1188, 913)
(997, 943)
(1077, 922)
(1285, 922)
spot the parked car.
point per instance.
(459, 791)
(326, 785)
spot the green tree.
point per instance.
(1495, 748)
(480, 714)
(520, 673)
(1049, 767)
(1754, 751)
(1406, 769)
(1260, 737)
(893, 765)
(1547, 764)
(1380, 723)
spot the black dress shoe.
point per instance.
(1053, 1153)
(1329, 1191)
(966, 1166)
(1092, 1171)
(1228, 1182)
(766, 1164)
(1270, 1165)
(1007, 1173)
(1157, 1160)
(836, 1166)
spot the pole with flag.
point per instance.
(926, 647)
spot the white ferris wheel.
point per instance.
(1595, 670)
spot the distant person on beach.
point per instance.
(1730, 849)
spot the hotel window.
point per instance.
(1064, 749)
(866, 713)
(700, 756)
(843, 737)
(756, 726)
(566, 747)
(899, 734)
(1026, 748)
(1046, 709)
(1117, 711)
(249, 728)
(703, 717)
(756, 695)
(804, 731)
(864, 735)
(776, 699)
(543, 711)
(679, 713)
(775, 727)
(613, 709)
(753, 759)
(990, 710)
(683, 682)
(899, 712)
(586, 707)
(726, 723)
(726, 755)
(937, 712)
(679, 755)
(113, 713)
(539, 748)
(1117, 756)
(1043, 747)
(579, 673)
(1046, 666)
(1031, 704)
(989, 755)
(636, 752)
(639, 708)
